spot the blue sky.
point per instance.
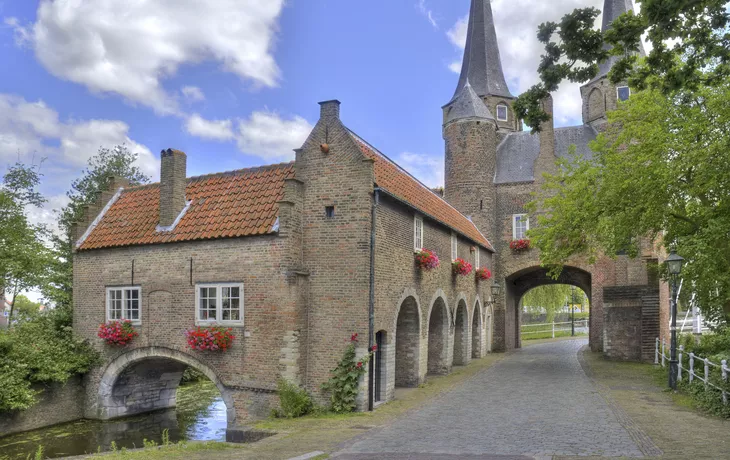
(235, 83)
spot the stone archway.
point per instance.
(407, 344)
(476, 332)
(461, 335)
(438, 338)
(520, 282)
(146, 379)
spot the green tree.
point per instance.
(26, 307)
(660, 173)
(690, 49)
(551, 299)
(116, 162)
(24, 257)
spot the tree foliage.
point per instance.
(115, 162)
(690, 49)
(24, 258)
(660, 170)
(551, 299)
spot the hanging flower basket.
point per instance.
(427, 259)
(483, 274)
(118, 333)
(210, 338)
(461, 267)
(520, 245)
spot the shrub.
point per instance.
(118, 333)
(192, 375)
(40, 350)
(483, 274)
(295, 401)
(461, 267)
(344, 383)
(426, 259)
(211, 338)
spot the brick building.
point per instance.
(296, 257)
(492, 170)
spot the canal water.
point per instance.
(200, 416)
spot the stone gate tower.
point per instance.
(493, 168)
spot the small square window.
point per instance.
(624, 93)
(329, 212)
(220, 304)
(123, 303)
(502, 113)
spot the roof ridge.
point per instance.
(233, 172)
(378, 152)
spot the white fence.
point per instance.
(660, 357)
(581, 327)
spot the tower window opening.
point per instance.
(481, 205)
(624, 93)
(502, 113)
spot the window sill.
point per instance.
(133, 323)
(218, 324)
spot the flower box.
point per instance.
(461, 267)
(483, 274)
(210, 338)
(118, 333)
(427, 259)
(520, 245)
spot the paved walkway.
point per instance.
(535, 403)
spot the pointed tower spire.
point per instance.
(612, 9)
(482, 66)
(467, 105)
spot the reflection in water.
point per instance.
(200, 416)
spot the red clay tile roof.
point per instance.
(239, 203)
(397, 182)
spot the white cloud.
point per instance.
(264, 134)
(129, 48)
(516, 22)
(219, 130)
(193, 93)
(33, 128)
(267, 135)
(426, 168)
(425, 11)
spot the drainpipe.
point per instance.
(371, 306)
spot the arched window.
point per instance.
(502, 112)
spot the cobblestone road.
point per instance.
(535, 403)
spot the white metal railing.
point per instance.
(660, 357)
(554, 327)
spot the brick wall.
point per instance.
(168, 303)
(57, 403)
(631, 322)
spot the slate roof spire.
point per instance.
(612, 9)
(467, 105)
(482, 66)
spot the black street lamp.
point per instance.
(674, 264)
(496, 289)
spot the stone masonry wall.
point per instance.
(398, 280)
(56, 404)
(168, 304)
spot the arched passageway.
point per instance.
(146, 379)
(525, 280)
(461, 335)
(476, 332)
(407, 344)
(438, 338)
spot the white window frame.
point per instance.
(124, 300)
(219, 304)
(618, 97)
(506, 112)
(514, 226)
(417, 233)
(454, 246)
(477, 258)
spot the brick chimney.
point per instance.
(330, 109)
(173, 179)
